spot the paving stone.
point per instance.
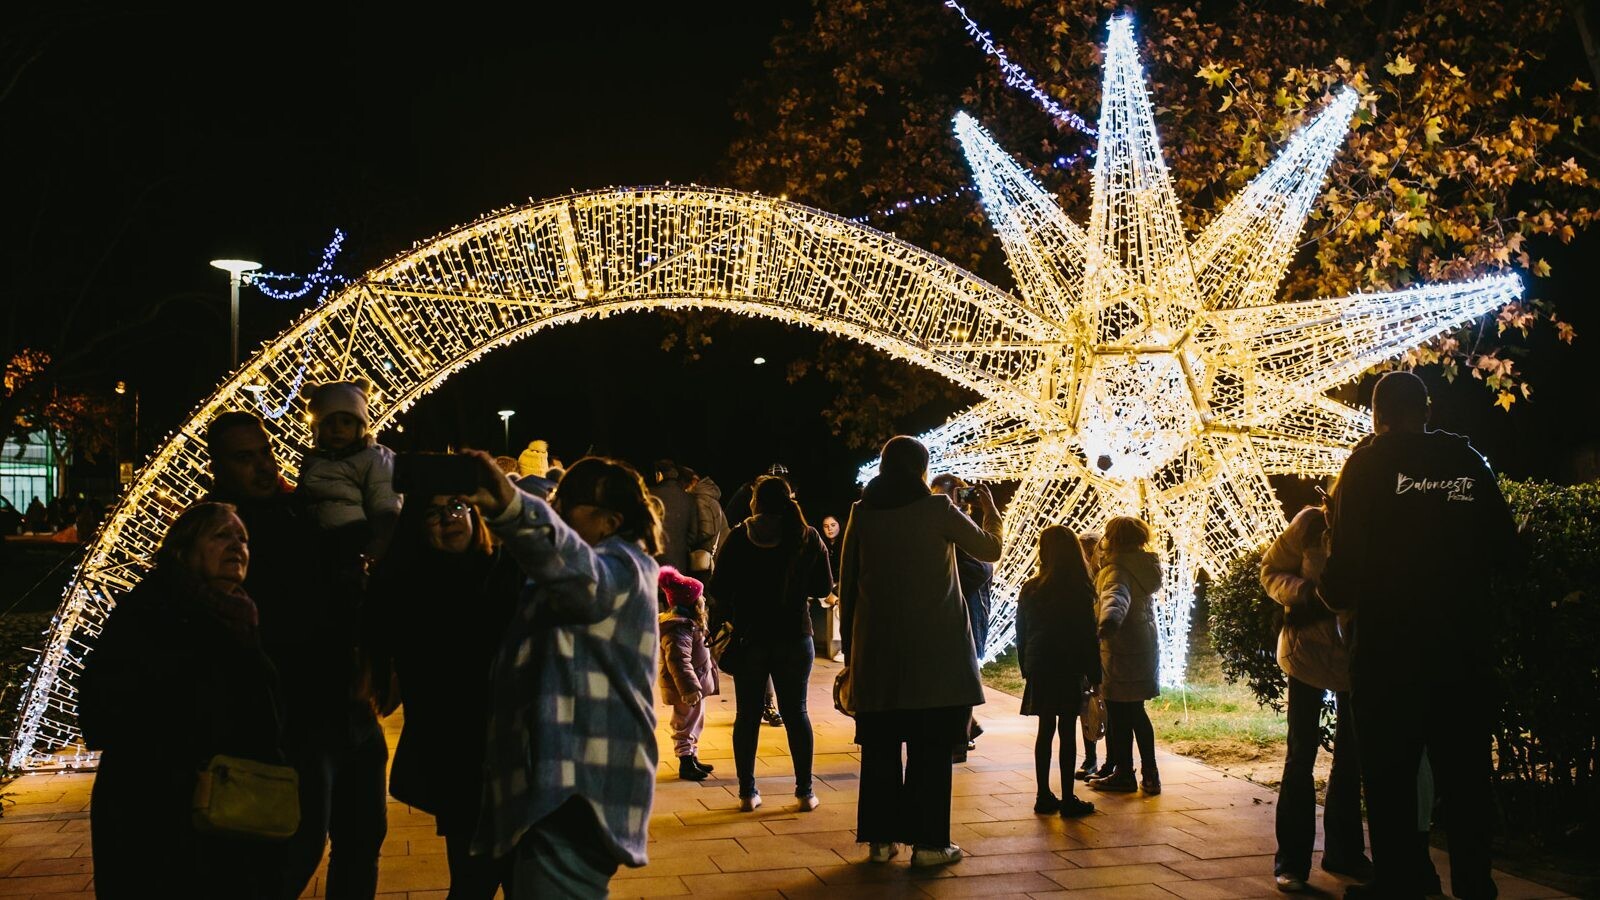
(22, 886)
(1120, 892)
(748, 882)
(1227, 867)
(1240, 888)
(1111, 876)
(1122, 856)
(987, 885)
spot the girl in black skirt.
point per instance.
(1058, 653)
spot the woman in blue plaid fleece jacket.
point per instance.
(571, 764)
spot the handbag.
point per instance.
(727, 649)
(841, 693)
(1094, 713)
(247, 798)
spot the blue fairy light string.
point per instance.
(1017, 77)
(322, 278)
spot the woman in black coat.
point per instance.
(176, 678)
(767, 571)
(446, 594)
(1058, 653)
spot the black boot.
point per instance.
(688, 771)
(1087, 770)
(704, 767)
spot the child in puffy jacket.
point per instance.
(688, 674)
(347, 478)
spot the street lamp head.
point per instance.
(506, 414)
(235, 267)
(122, 387)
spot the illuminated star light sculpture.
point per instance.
(1176, 385)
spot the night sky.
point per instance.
(142, 141)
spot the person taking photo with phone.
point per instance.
(571, 760)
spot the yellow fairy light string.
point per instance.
(1138, 372)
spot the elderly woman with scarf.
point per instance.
(912, 672)
(176, 678)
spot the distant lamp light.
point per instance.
(235, 268)
(760, 360)
(505, 419)
(122, 387)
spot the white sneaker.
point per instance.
(750, 803)
(935, 856)
(882, 852)
(809, 802)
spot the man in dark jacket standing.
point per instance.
(1416, 519)
(309, 631)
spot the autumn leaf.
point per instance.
(1400, 66)
(1214, 74)
(1433, 131)
(1505, 400)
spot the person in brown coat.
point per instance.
(911, 670)
(1314, 654)
(1128, 578)
(688, 673)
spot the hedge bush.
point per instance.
(1547, 691)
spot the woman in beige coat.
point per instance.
(912, 673)
(1129, 575)
(1313, 653)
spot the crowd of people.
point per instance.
(527, 625)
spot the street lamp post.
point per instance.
(235, 269)
(505, 419)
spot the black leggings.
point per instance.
(1129, 721)
(1049, 724)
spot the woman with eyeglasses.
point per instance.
(446, 592)
(571, 764)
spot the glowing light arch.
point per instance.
(411, 323)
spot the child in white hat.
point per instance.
(347, 479)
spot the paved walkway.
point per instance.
(1206, 836)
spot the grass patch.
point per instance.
(1208, 719)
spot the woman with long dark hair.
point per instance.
(911, 669)
(1058, 653)
(446, 591)
(1129, 574)
(176, 678)
(767, 571)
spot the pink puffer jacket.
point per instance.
(686, 663)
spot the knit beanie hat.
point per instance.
(340, 396)
(535, 460)
(681, 590)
